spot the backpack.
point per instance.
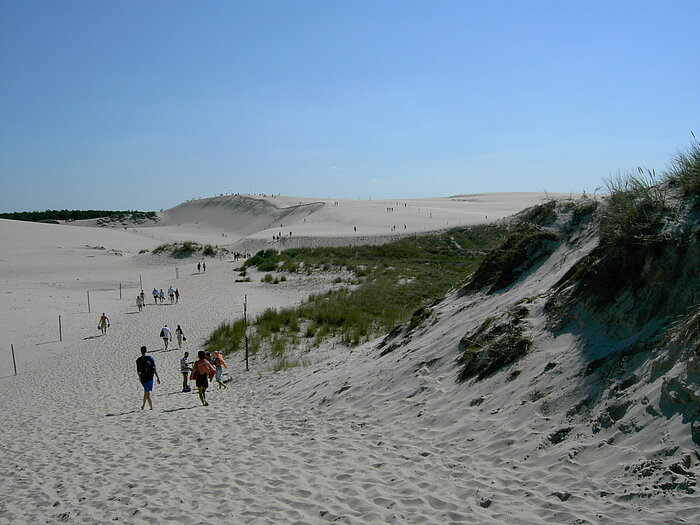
(162, 332)
(145, 367)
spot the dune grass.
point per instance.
(389, 283)
(633, 214)
(684, 172)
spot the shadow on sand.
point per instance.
(122, 413)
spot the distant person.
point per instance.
(146, 370)
(219, 365)
(171, 294)
(202, 371)
(139, 302)
(204, 267)
(155, 296)
(143, 298)
(185, 370)
(161, 296)
(199, 267)
(180, 336)
(103, 323)
(166, 335)
(177, 295)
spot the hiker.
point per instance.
(143, 298)
(177, 295)
(103, 324)
(185, 370)
(204, 267)
(155, 296)
(202, 371)
(161, 296)
(180, 335)
(171, 294)
(146, 369)
(219, 365)
(139, 302)
(166, 335)
(199, 267)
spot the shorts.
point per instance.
(147, 385)
(202, 380)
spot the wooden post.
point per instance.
(140, 283)
(120, 290)
(60, 332)
(88, 294)
(14, 363)
(245, 323)
(177, 273)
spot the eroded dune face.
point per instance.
(238, 214)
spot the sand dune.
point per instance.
(360, 436)
(251, 222)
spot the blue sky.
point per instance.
(145, 104)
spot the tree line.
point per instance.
(76, 215)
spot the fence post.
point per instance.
(140, 283)
(88, 295)
(120, 290)
(245, 323)
(60, 331)
(14, 363)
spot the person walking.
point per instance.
(166, 335)
(219, 365)
(171, 294)
(143, 298)
(199, 267)
(103, 323)
(177, 295)
(204, 266)
(139, 302)
(180, 336)
(202, 371)
(185, 370)
(155, 296)
(161, 296)
(146, 370)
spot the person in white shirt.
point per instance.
(166, 335)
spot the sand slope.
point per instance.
(362, 435)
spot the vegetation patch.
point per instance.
(390, 285)
(497, 343)
(526, 245)
(181, 250)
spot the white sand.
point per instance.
(353, 438)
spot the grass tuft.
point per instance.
(685, 171)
